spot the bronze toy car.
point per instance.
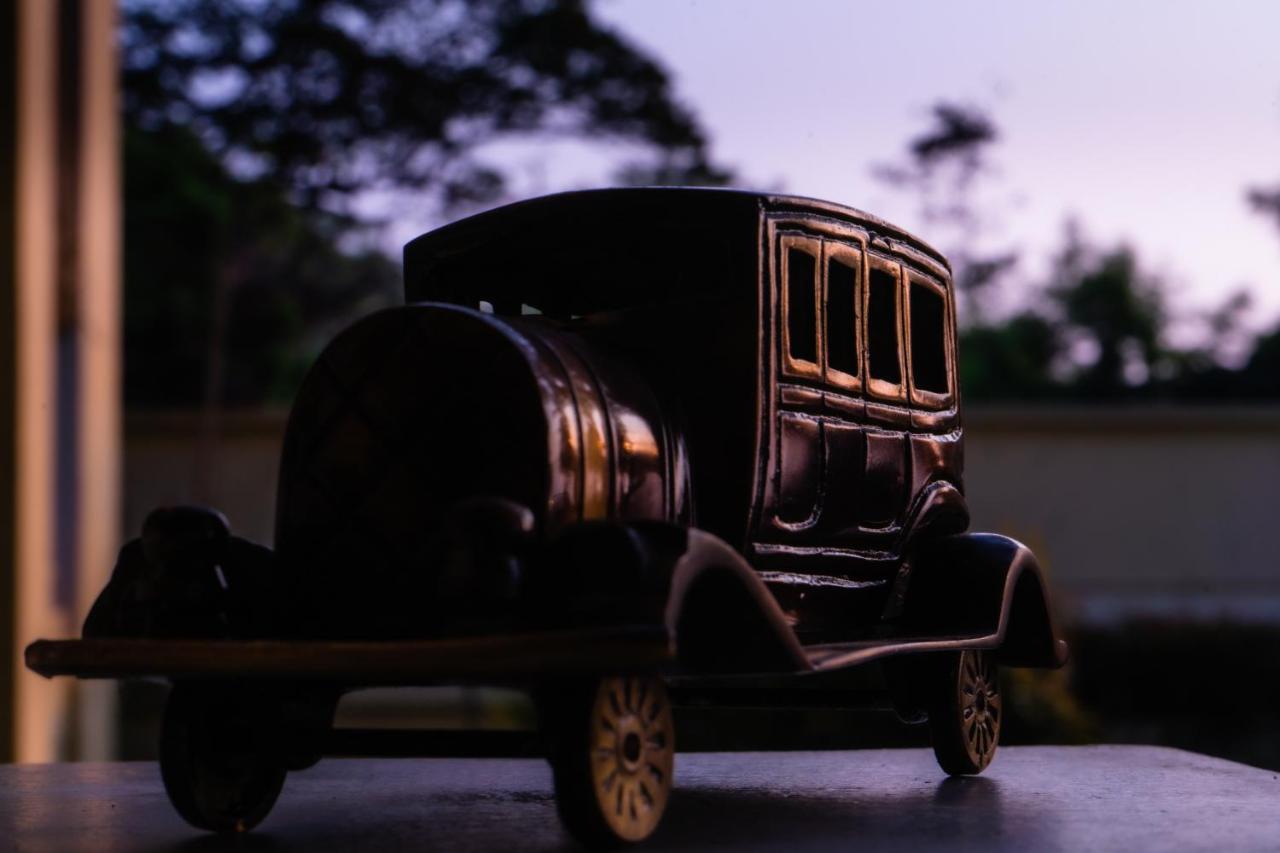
(620, 448)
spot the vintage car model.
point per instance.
(620, 449)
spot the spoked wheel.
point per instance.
(965, 717)
(217, 759)
(613, 744)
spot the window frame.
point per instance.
(811, 246)
(837, 250)
(920, 397)
(882, 388)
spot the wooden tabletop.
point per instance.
(1032, 798)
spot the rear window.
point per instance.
(802, 305)
(928, 339)
(882, 327)
(842, 318)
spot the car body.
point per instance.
(693, 434)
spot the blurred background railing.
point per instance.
(196, 194)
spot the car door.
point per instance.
(882, 498)
(799, 453)
(930, 349)
(844, 442)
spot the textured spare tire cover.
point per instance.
(405, 414)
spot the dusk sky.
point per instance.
(1146, 120)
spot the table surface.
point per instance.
(1032, 798)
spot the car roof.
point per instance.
(542, 211)
(651, 245)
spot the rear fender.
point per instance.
(982, 584)
(939, 511)
(722, 615)
(719, 615)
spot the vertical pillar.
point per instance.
(97, 270)
(8, 367)
(59, 358)
(39, 707)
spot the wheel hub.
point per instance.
(633, 740)
(980, 707)
(630, 744)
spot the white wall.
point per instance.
(170, 459)
(1154, 510)
(1165, 511)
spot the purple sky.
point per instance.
(1145, 119)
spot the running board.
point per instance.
(486, 659)
(829, 656)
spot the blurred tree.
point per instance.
(1098, 328)
(1266, 201)
(1012, 360)
(941, 167)
(333, 97)
(1112, 316)
(1260, 376)
(254, 128)
(1226, 323)
(230, 289)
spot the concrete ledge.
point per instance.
(1112, 420)
(1032, 798)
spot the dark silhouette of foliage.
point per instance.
(1261, 374)
(334, 97)
(254, 125)
(956, 142)
(941, 167)
(1100, 331)
(1116, 311)
(229, 288)
(1097, 329)
(977, 273)
(959, 133)
(1266, 201)
(1012, 360)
